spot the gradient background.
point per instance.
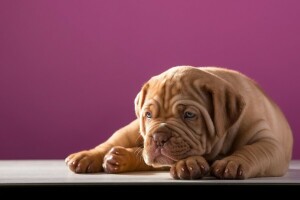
(70, 70)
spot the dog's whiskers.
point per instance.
(138, 153)
(139, 141)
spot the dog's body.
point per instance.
(195, 121)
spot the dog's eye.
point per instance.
(148, 115)
(188, 115)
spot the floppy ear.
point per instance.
(228, 106)
(139, 99)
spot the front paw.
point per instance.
(85, 162)
(228, 168)
(194, 167)
(117, 160)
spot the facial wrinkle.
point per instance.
(186, 135)
(167, 95)
(191, 90)
(205, 114)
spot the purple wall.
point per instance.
(70, 70)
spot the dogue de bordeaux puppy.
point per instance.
(197, 122)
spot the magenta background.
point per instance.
(70, 70)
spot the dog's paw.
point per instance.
(230, 169)
(194, 167)
(85, 162)
(117, 160)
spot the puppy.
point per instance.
(197, 122)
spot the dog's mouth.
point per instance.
(165, 154)
(159, 158)
(163, 157)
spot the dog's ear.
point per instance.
(225, 105)
(140, 99)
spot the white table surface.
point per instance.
(55, 172)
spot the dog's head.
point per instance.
(183, 112)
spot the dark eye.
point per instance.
(148, 115)
(189, 115)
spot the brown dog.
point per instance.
(195, 121)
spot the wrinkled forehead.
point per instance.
(166, 85)
(165, 88)
(168, 89)
(171, 82)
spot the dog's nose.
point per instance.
(160, 138)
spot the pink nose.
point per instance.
(160, 138)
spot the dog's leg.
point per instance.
(90, 161)
(265, 157)
(120, 159)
